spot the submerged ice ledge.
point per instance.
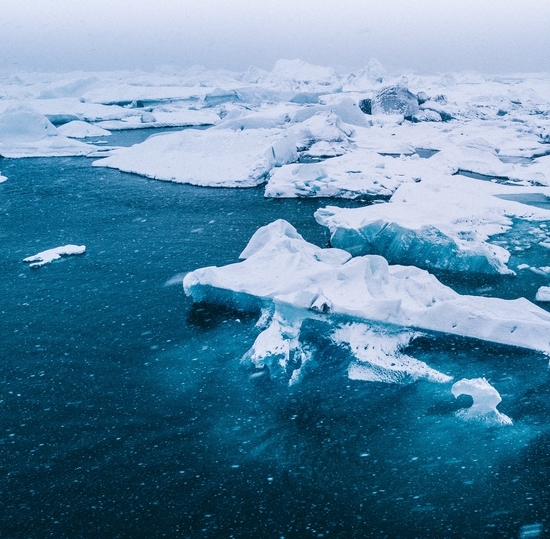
(295, 281)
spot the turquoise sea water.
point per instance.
(125, 411)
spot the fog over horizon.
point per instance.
(425, 36)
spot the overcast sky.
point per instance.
(426, 36)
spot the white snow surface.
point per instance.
(45, 257)
(353, 175)
(486, 398)
(280, 268)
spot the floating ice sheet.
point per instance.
(355, 175)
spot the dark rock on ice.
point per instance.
(366, 106)
(422, 97)
(395, 100)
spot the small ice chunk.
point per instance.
(486, 398)
(543, 293)
(45, 257)
(544, 270)
(79, 129)
(2, 178)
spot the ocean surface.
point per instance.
(125, 411)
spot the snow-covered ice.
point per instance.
(213, 158)
(486, 399)
(80, 129)
(543, 294)
(353, 175)
(24, 132)
(163, 116)
(45, 257)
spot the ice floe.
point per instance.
(45, 257)
(299, 281)
(486, 399)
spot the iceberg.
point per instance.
(486, 398)
(297, 281)
(45, 257)
(213, 158)
(347, 109)
(71, 87)
(298, 75)
(322, 135)
(373, 73)
(24, 132)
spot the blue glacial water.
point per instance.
(125, 412)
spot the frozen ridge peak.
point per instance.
(45, 257)
(486, 398)
(299, 282)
